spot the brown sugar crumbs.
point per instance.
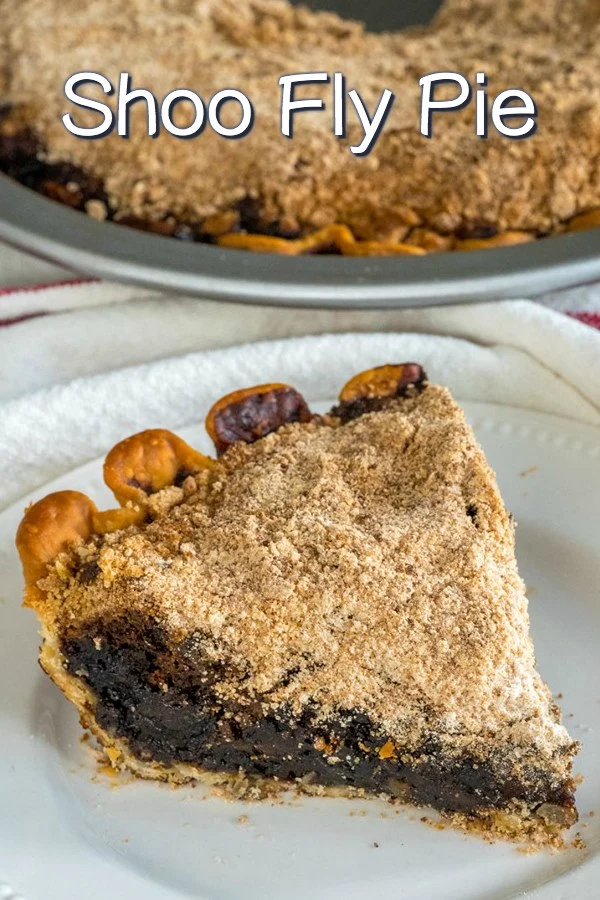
(450, 183)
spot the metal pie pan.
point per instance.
(47, 229)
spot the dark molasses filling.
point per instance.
(162, 701)
(21, 159)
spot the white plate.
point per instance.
(68, 833)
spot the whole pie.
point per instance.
(411, 195)
(331, 603)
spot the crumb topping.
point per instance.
(451, 182)
(367, 566)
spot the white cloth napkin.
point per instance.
(97, 327)
(146, 362)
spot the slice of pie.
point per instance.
(333, 603)
(410, 195)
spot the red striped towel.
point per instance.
(21, 303)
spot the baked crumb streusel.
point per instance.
(410, 195)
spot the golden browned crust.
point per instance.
(134, 469)
(418, 241)
(333, 237)
(57, 522)
(381, 382)
(252, 413)
(586, 220)
(148, 462)
(410, 193)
